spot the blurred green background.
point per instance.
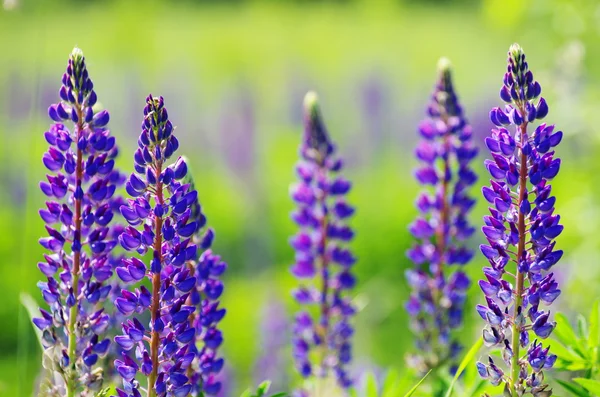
(233, 74)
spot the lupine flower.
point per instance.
(207, 268)
(274, 338)
(520, 229)
(323, 262)
(78, 215)
(438, 293)
(160, 217)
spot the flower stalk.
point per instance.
(81, 203)
(521, 229)
(438, 294)
(321, 255)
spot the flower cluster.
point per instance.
(207, 267)
(321, 255)
(160, 220)
(437, 301)
(78, 215)
(520, 229)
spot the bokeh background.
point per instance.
(233, 74)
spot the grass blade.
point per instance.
(415, 387)
(33, 310)
(593, 386)
(463, 364)
(573, 388)
(594, 333)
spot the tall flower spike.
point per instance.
(521, 230)
(438, 293)
(78, 217)
(207, 268)
(160, 221)
(323, 262)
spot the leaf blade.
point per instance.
(32, 310)
(573, 388)
(593, 386)
(415, 387)
(463, 364)
(594, 335)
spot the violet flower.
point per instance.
(207, 267)
(438, 293)
(521, 230)
(323, 262)
(160, 221)
(78, 217)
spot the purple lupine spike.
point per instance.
(321, 254)
(208, 268)
(160, 221)
(78, 217)
(520, 229)
(438, 293)
(274, 338)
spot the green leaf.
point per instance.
(463, 364)
(103, 392)
(33, 310)
(281, 394)
(371, 386)
(415, 387)
(592, 385)
(565, 354)
(563, 331)
(246, 393)
(478, 387)
(566, 335)
(573, 388)
(594, 335)
(577, 366)
(263, 388)
(582, 327)
(390, 384)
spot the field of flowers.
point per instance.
(266, 179)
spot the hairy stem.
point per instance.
(440, 243)
(155, 338)
(192, 318)
(322, 247)
(74, 311)
(515, 367)
(444, 211)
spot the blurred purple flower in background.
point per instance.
(272, 361)
(374, 98)
(437, 302)
(321, 255)
(237, 134)
(520, 229)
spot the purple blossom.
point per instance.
(161, 220)
(323, 262)
(81, 204)
(520, 230)
(438, 293)
(206, 372)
